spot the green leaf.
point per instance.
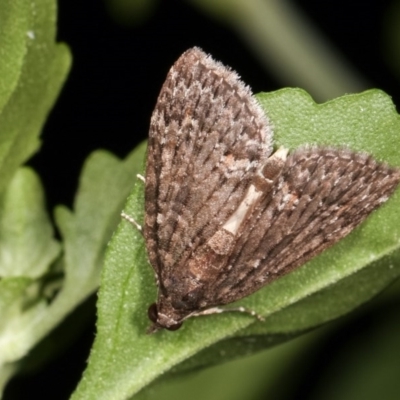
(124, 359)
(33, 69)
(11, 292)
(245, 378)
(104, 186)
(27, 251)
(13, 28)
(27, 247)
(12, 295)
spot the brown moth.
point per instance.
(224, 217)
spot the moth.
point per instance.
(224, 214)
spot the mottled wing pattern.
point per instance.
(208, 136)
(319, 197)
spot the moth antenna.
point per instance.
(141, 178)
(132, 221)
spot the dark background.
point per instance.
(111, 91)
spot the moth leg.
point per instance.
(132, 221)
(128, 217)
(217, 310)
(141, 178)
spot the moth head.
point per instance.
(161, 321)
